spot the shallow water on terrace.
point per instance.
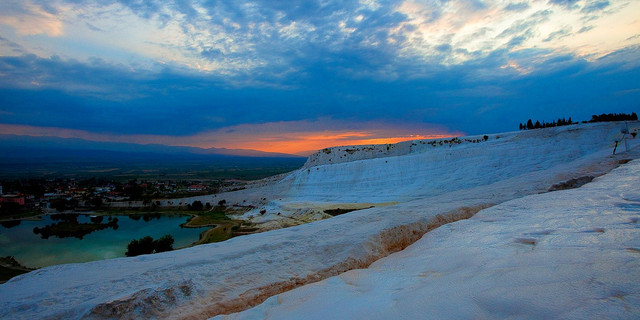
(32, 251)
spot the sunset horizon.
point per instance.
(319, 159)
(260, 138)
(272, 77)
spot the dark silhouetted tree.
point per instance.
(147, 245)
(613, 117)
(164, 244)
(138, 247)
(9, 208)
(196, 206)
(529, 124)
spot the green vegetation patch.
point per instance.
(207, 218)
(225, 230)
(221, 232)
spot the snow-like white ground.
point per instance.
(572, 254)
(417, 187)
(364, 176)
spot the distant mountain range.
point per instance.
(25, 157)
(15, 147)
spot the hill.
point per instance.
(52, 144)
(424, 185)
(570, 254)
(31, 157)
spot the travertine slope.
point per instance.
(413, 192)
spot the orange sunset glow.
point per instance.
(280, 137)
(307, 143)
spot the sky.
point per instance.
(297, 76)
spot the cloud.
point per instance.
(304, 137)
(594, 6)
(105, 98)
(565, 31)
(571, 4)
(10, 48)
(259, 43)
(94, 28)
(95, 78)
(517, 6)
(295, 137)
(181, 68)
(28, 18)
(585, 29)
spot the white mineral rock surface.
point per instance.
(572, 254)
(420, 185)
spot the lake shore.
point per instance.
(10, 267)
(219, 227)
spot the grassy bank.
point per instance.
(10, 268)
(7, 273)
(222, 226)
(206, 219)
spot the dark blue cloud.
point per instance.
(181, 104)
(15, 48)
(324, 75)
(251, 29)
(212, 53)
(145, 9)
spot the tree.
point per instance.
(133, 190)
(537, 125)
(164, 244)
(147, 245)
(613, 117)
(8, 208)
(138, 247)
(58, 204)
(529, 124)
(96, 202)
(196, 206)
